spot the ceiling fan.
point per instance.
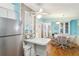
(40, 13)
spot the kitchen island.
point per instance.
(38, 46)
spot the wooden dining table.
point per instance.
(55, 50)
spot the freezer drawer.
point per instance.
(10, 46)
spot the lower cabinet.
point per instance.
(34, 50)
(29, 50)
(40, 50)
(7, 13)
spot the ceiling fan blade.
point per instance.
(37, 13)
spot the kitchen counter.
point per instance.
(38, 41)
(38, 46)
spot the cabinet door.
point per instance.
(3, 12)
(11, 14)
(12, 45)
(9, 6)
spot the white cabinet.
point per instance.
(40, 50)
(7, 13)
(9, 6)
(7, 10)
(28, 49)
(33, 50)
(3, 12)
(11, 14)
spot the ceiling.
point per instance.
(57, 9)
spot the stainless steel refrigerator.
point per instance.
(10, 37)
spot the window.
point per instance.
(66, 27)
(61, 28)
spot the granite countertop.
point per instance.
(38, 41)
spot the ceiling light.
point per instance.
(39, 16)
(41, 10)
(57, 22)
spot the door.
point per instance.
(64, 28)
(9, 27)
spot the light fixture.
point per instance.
(41, 10)
(39, 16)
(57, 22)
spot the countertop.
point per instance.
(38, 41)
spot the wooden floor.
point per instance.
(53, 50)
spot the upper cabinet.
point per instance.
(11, 14)
(8, 10)
(3, 12)
(7, 13)
(8, 6)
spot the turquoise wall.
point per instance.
(73, 27)
(54, 27)
(77, 27)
